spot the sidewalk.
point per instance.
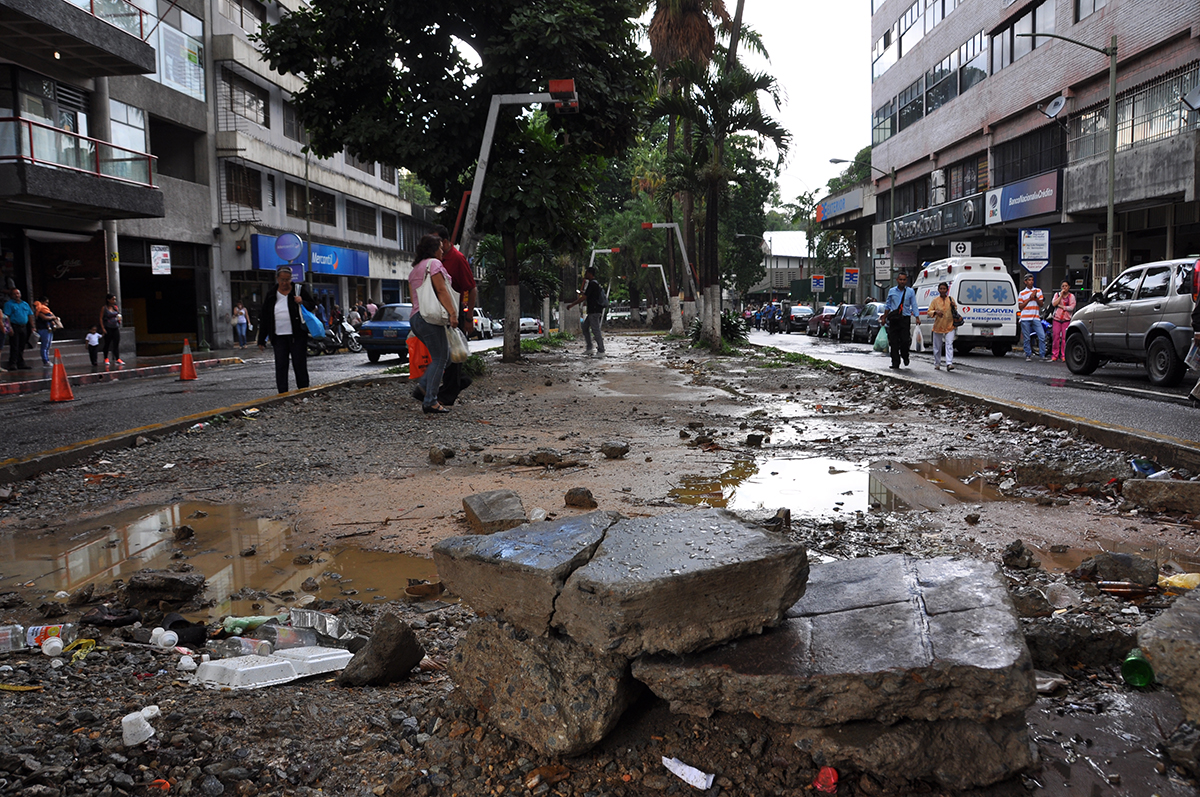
(80, 371)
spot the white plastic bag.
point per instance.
(458, 345)
(918, 341)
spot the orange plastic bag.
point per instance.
(418, 357)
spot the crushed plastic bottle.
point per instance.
(12, 637)
(240, 625)
(35, 635)
(239, 646)
(282, 637)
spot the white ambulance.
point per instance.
(986, 298)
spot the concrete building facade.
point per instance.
(998, 134)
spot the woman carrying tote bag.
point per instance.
(434, 308)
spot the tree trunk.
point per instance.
(710, 285)
(512, 301)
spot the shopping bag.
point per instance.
(458, 345)
(418, 357)
(315, 328)
(918, 341)
(881, 340)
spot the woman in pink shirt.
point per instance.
(429, 267)
(1064, 306)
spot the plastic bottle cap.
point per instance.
(52, 646)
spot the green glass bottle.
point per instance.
(1136, 669)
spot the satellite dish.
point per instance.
(1055, 107)
(1192, 99)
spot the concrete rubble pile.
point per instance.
(905, 669)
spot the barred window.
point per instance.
(360, 218)
(243, 185)
(361, 165)
(387, 174)
(324, 205)
(390, 228)
(292, 128)
(1036, 152)
(246, 99)
(964, 177)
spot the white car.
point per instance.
(484, 326)
(530, 325)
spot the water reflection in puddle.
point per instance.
(70, 557)
(820, 486)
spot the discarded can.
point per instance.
(1136, 669)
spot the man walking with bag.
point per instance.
(899, 316)
(593, 294)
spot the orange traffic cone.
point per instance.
(60, 388)
(187, 371)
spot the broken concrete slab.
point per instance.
(1171, 643)
(680, 582)
(1163, 495)
(559, 697)
(150, 586)
(958, 754)
(882, 639)
(517, 574)
(495, 510)
(389, 655)
(1063, 642)
(1108, 566)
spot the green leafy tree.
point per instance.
(745, 219)
(857, 171)
(537, 264)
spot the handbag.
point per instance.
(432, 310)
(955, 315)
(458, 345)
(315, 328)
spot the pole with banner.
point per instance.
(818, 285)
(883, 271)
(1034, 251)
(850, 280)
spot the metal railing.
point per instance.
(118, 13)
(1149, 113)
(43, 145)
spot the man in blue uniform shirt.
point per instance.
(20, 315)
(901, 313)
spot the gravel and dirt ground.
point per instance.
(354, 460)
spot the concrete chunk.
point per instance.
(516, 575)
(495, 510)
(1171, 643)
(843, 655)
(1163, 495)
(680, 582)
(557, 696)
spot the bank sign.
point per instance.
(839, 205)
(951, 217)
(1036, 196)
(325, 259)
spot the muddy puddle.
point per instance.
(818, 487)
(234, 550)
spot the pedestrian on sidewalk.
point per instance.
(1064, 308)
(44, 319)
(93, 345)
(593, 294)
(20, 317)
(942, 311)
(454, 381)
(5, 328)
(429, 267)
(900, 315)
(110, 322)
(1029, 308)
(280, 320)
(241, 322)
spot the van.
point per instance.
(986, 297)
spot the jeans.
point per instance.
(943, 342)
(1059, 337)
(46, 336)
(295, 347)
(899, 337)
(1033, 326)
(241, 334)
(434, 338)
(591, 326)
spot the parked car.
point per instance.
(819, 323)
(842, 324)
(866, 326)
(387, 332)
(483, 325)
(1144, 316)
(530, 325)
(800, 315)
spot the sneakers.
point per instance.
(949, 367)
(120, 361)
(106, 361)
(1028, 359)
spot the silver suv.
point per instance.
(1144, 316)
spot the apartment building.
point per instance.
(228, 171)
(994, 127)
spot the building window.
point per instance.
(387, 174)
(1018, 39)
(390, 228)
(362, 166)
(292, 128)
(249, 15)
(941, 83)
(912, 105)
(178, 41)
(128, 126)
(912, 27)
(885, 53)
(1151, 113)
(246, 99)
(885, 123)
(243, 186)
(1085, 8)
(973, 55)
(1040, 151)
(963, 177)
(324, 205)
(360, 218)
(271, 190)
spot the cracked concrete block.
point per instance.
(882, 639)
(1171, 643)
(495, 510)
(559, 697)
(517, 574)
(680, 582)
(1163, 495)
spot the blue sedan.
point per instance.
(387, 332)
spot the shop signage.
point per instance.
(1034, 252)
(325, 259)
(1036, 196)
(160, 259)
(956, 216)
(850, 278)
(840, 204)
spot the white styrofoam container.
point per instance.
(245, 672)
(315, 660)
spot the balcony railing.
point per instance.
(33, 142)
(118, 13)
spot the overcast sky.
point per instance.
(821, 56)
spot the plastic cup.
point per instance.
(156, 635)
(1136, 669)
(135, 729)
(53, 646)
(168, 639)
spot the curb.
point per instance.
(40, 385)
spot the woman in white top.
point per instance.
(240, 321)
(280, 320)
(428, 266)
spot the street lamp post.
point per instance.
(1111, 52)
(891, 205)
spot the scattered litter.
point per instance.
(1179, 581)
(689, 774)
(1144, 467)
(251, 412)
(198, 427)
(135, 727)
(168, 466)
(1061, 596)
(826, 780)
(245, 672)
(996, 417)
(1048, 682)
(315, 660)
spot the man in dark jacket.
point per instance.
(281, 321)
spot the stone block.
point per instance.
(957, 754)
(147, 587)
(495, 510)
(516, 575)
(883, 639)
(390, 654)
(1171, 643)
(559, 697)
(680, 582)
(1163, 495)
